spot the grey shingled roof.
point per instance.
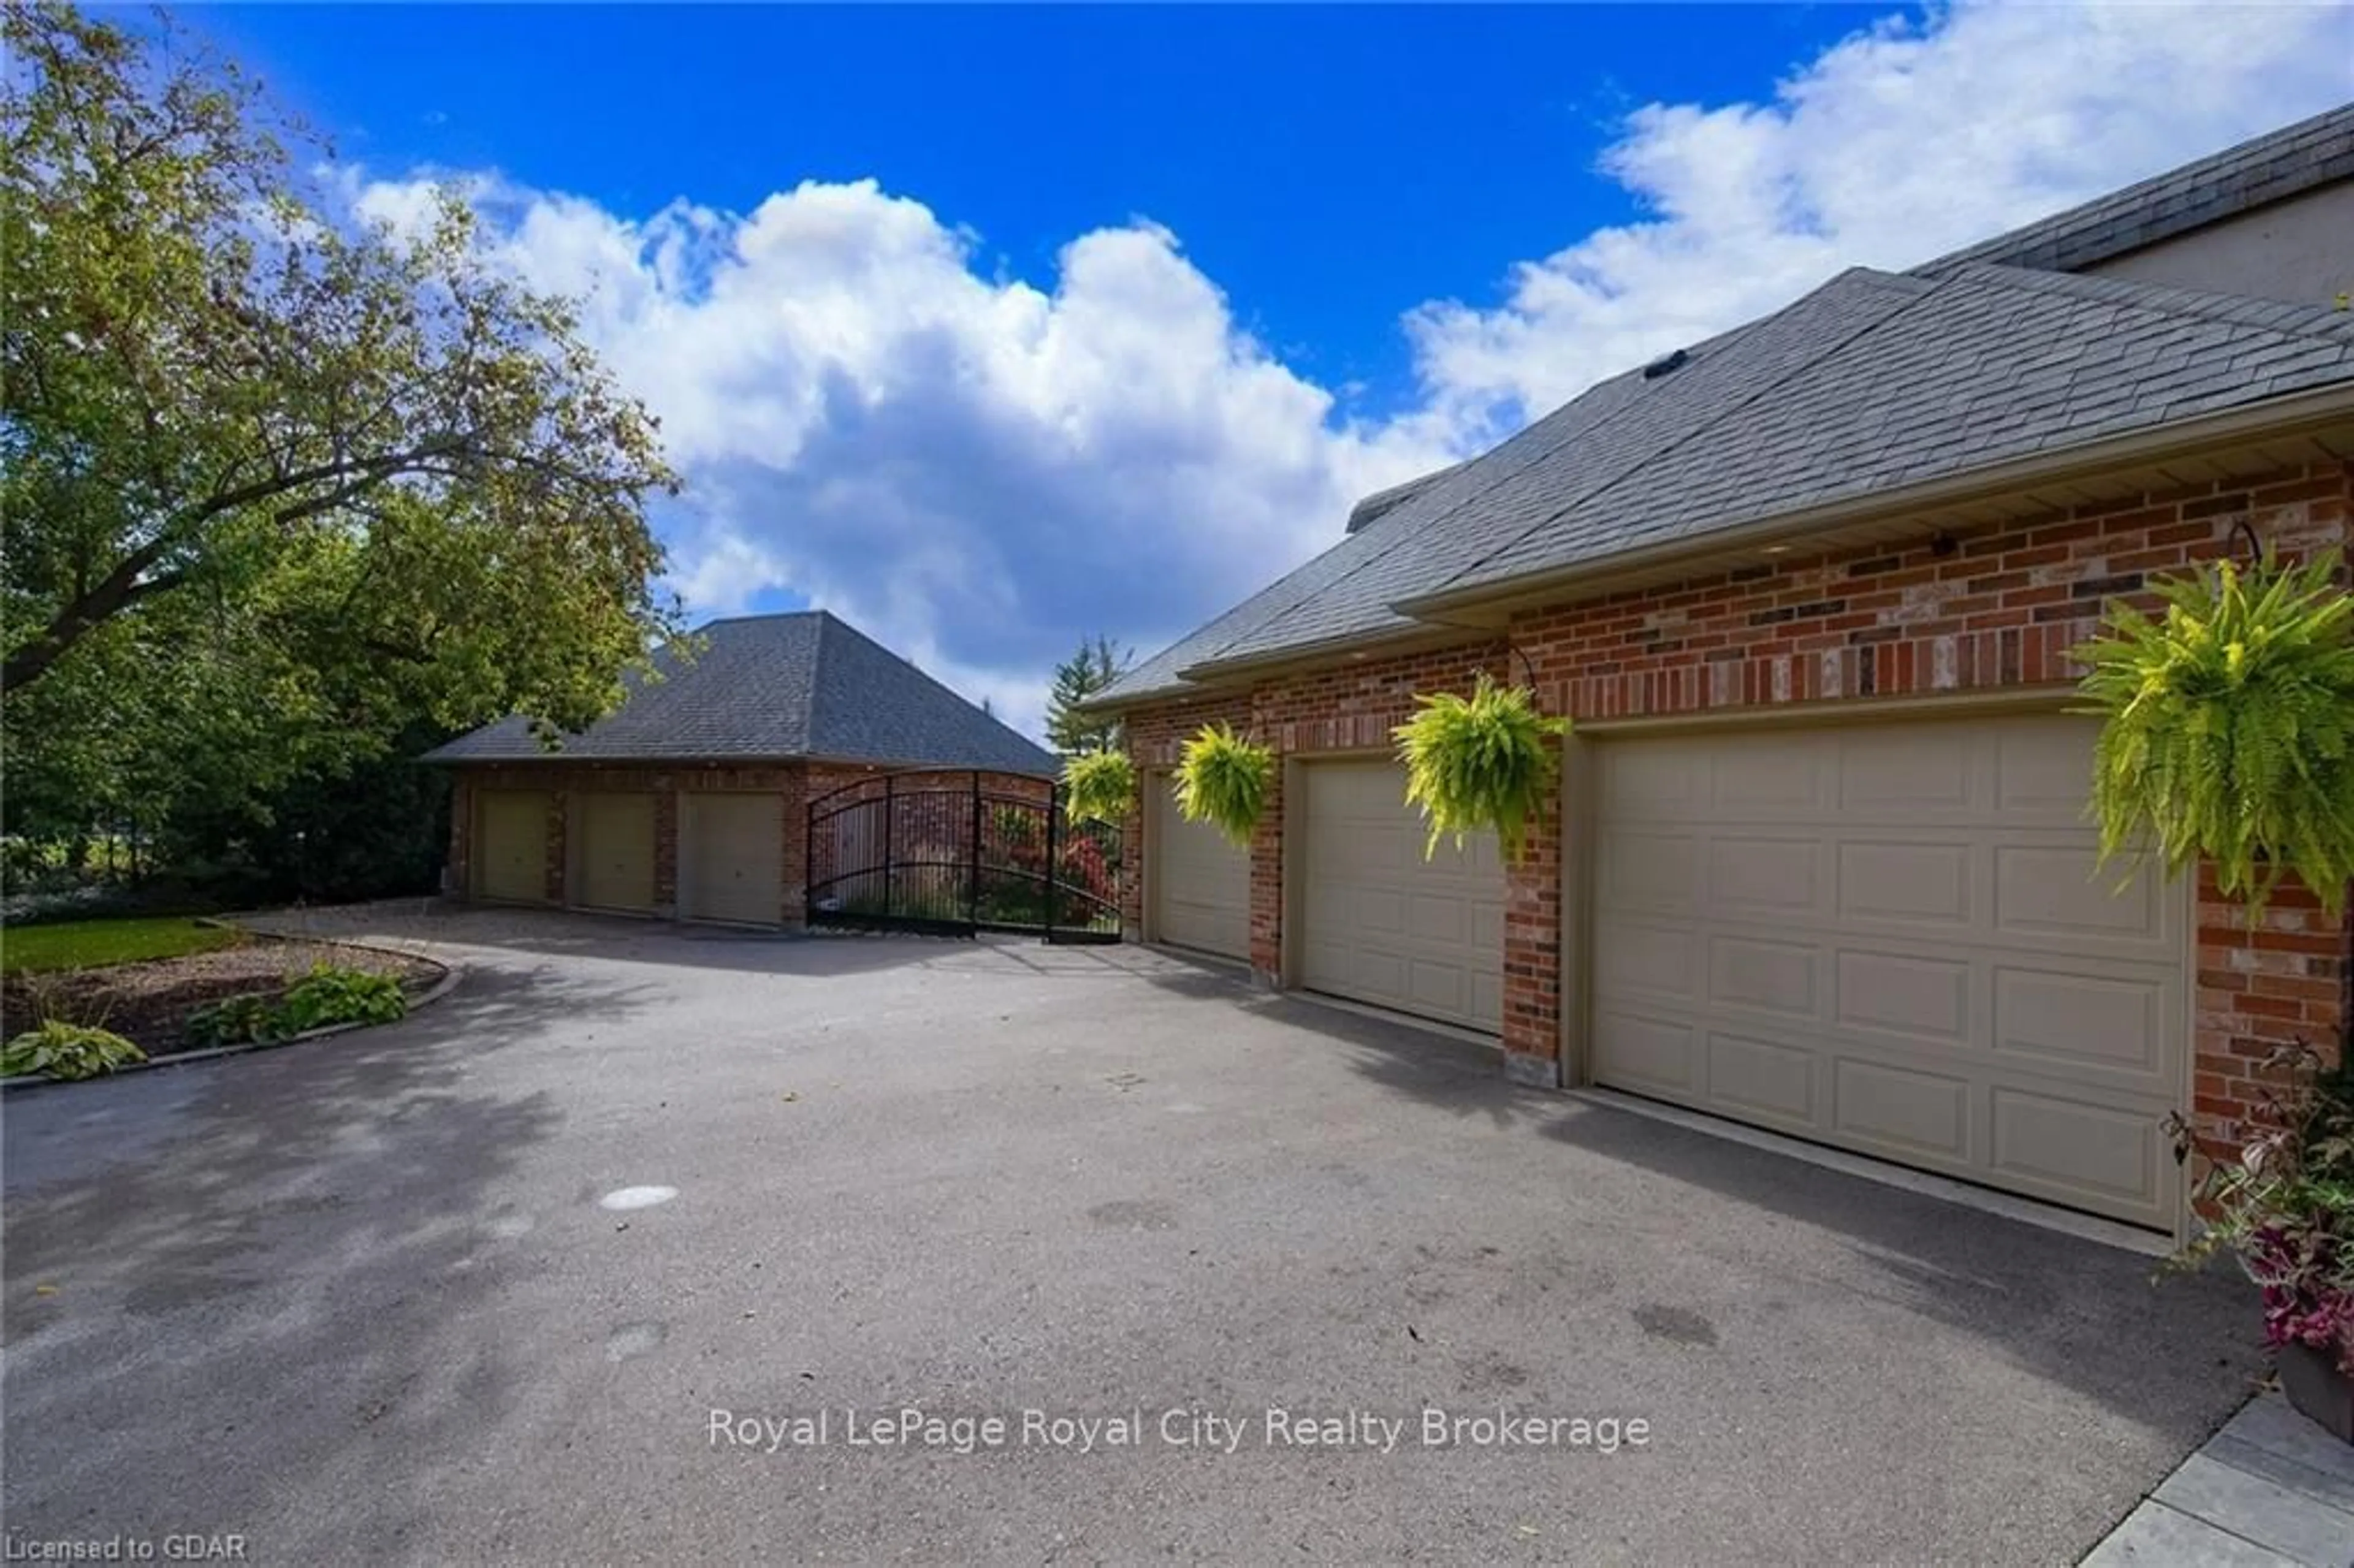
(771, 686)
(1872, 383)
(2270, 168)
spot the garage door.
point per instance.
(1892, 939)
(1381, 923)
(616, 853)
(735, 857)
(510, 846)
(1200, 881)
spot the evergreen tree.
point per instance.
(1092, 669)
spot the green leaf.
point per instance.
(1490, 761)
(2228, 730)
(1223, 779)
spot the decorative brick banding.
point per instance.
(1994, 610)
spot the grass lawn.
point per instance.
(89, 943)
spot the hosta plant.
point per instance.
(331, 995)
(1487, 761)
(2228, 728)
(1099, 786)
(1223, 779)
(65, 1050)
(2283, 1204)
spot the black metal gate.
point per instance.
(954, 853)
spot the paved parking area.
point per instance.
(370, 1298)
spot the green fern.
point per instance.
(1099, 786)
(1487, 761)
(1223, 779)
(2230, 728)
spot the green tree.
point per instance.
(309, 479)
(1093, 669)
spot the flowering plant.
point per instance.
(2284, 1205)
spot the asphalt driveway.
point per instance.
(365, 1299)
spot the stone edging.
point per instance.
(451, 973)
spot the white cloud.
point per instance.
(1906, 141)
(980, 470)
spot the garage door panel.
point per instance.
(1773, 781)
(2042, 772)
(1770, 976)
(1924, 999)
(1923, 969)
(1639, 1052)
(1384, 922)
(1878, 772)
(1199, 883)
(1646, 959)
(1776, 876)
(2044, 890)
(2074, 1149)
(1929, 884)
(2075, 1019)
(1648, 871)
(1903, 1111)
(1767, 1079)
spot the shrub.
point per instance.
(1099, 785)
(67, 1051)
(2283, 1205)
(1486, 761)
(1222, 779)
(234, 1021)
(2230, 728)
(331, 995)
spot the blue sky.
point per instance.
(994, 328)
(1331, 167)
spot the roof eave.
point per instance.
(2278, 416)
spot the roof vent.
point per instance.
(1672, 364)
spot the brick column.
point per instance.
(558, 818)
(457, 871)
(794, 789)
(1532, 956)
(666, 846)
(1266, 887)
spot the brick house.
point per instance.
(690, 800)
(1808, 591)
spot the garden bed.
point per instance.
(149, 1003)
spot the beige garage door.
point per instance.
(1381, 923)
(733, 857)
(510, 846)
(1891, 938)
(1200, 881)
(615, 856)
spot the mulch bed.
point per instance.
(148, 1003)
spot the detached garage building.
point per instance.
(690, 802)
(1809, 590)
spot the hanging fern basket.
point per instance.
(1098, 787)
(2228, 730)
(1223, 779)
(1486, 762)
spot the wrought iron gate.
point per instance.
(954, 853)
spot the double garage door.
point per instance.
(1894, 938)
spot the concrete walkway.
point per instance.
(2270, 1490)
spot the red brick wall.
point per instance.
(2000, 610)
(794, 783)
